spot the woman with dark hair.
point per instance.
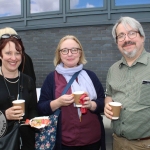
(26, 65)
(14, 84)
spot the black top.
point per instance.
(27, 92)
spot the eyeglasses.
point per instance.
(65, 51)
(131, 34)
(7, 36)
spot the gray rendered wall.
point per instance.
(100, 50)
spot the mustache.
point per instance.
(128, 43)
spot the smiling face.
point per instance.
(70, 60)
(130, 48)
(10, 57)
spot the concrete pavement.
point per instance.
(108, 132)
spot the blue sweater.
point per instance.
(48, 94)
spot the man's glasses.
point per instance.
(7, 36)
(131, 34)
(65, 51)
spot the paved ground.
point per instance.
(108, 132)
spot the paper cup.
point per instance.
(116, 107)
(21, 103)
(77, 96)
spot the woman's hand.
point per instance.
(87, 103)
(65, 100)
(14, 113)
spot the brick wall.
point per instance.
(100, 50)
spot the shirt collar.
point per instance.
(143, 59)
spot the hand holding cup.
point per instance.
(14, 113)
(21, 103)
(116, 107)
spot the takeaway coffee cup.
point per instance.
(77, 96)
(116, 107)
(20, 102)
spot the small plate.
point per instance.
(39, 122)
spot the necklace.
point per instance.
(12, 81)
(9, 80)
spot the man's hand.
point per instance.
(107, 109)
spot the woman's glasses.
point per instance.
(65, 51)
(7, 36)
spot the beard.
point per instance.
(130, 54)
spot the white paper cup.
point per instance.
(116, 107)
(20, 102)
(77, 95)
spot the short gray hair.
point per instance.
(132, 23)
